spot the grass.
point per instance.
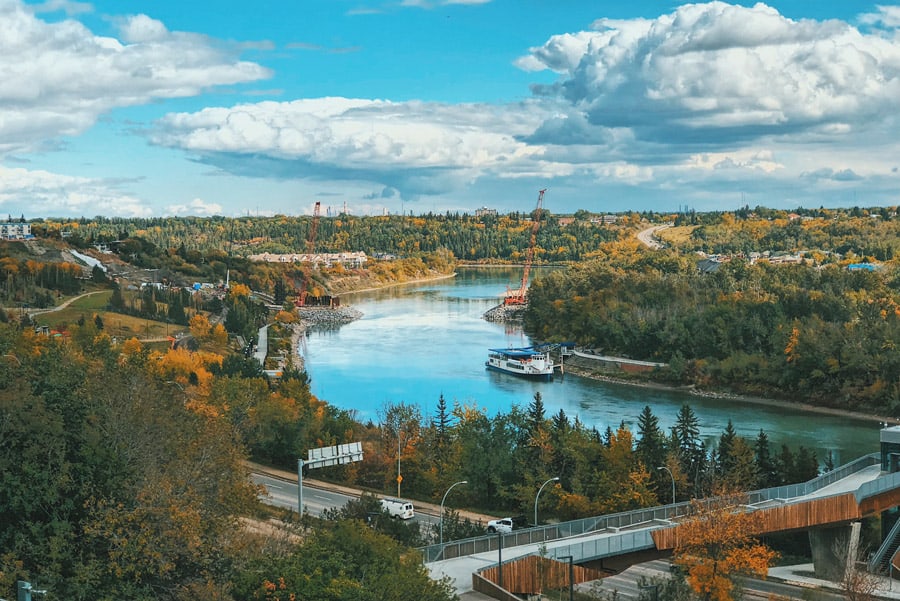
(676, 235)
(114, 324)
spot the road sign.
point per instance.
(325, 457)
(399, 478)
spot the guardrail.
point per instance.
(638, 517)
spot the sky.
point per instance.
(172, 108)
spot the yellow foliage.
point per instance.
(219, 335)
(200, 327)
(132, 348)
(716, 544)
(239, 290)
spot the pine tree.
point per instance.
(651, 444)
(766, 469)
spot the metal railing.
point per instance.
(631, 519)
(889, 543)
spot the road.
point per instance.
(283, 493)
(647, 237)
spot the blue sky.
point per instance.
(233, 108)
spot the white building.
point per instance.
(15, 231)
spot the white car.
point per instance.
(503, 526)
(398, 508)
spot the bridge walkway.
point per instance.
(848, 493)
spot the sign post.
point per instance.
(325, 457)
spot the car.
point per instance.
(503, 526)
(398, 508)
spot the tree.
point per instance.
(765, 466)
(716, 545)
(651, 447)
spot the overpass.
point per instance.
(853, 491)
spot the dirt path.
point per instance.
(61, 306)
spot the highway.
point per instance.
(283, 493)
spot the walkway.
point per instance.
(848, 493)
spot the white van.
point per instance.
(398, 508)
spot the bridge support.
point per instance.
(833, 549)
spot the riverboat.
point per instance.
(527, 362)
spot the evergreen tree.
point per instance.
(280, 293)
(691, 451)
(116, 300)
(442, 436)
(651, 447)
(806, 465)
(536, 417)
(724, 459)
(765, 466)
(786, 466)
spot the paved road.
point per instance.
(283, 493)
(647, 237)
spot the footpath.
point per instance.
(425, 507)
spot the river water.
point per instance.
(418, 341)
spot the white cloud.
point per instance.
(57, 79)
(887, 16)
(46, 193)
(723, 73)
(414, 146)
(196, 208)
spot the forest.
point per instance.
(121, 463)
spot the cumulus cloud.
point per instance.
(712, 96)
(57, 79)
(47, 193)
(887, 16)
(196, 208)
(416, 147)
(722, 74)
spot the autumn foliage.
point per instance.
(717, 543)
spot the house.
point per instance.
(485, 212)
(15, 231)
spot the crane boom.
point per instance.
(518, 297)
(310, 247)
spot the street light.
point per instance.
(399, 477)
(442, 506)
(537, 496)
(673, 481)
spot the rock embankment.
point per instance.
(314, 316)
(505, 314)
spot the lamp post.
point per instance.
(442, 507)
(399, 477)
(673, 481)
(571, 576)
(538, 495)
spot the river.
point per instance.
(417, 342)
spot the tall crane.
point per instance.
(310, 247)
(517, 297)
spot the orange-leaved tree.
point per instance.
(716, 543)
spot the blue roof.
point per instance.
(516, 352)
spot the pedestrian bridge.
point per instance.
(850, 492)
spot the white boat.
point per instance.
(526, 362)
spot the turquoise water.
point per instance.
(416, 342)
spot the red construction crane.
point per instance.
(517, 297)
(310, 247)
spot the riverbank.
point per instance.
(729, 397)
(415, 281)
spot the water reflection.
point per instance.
(417, 342)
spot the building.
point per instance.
(485, 212)
(15, 231)
(354, 260)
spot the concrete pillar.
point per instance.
(827, 564)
